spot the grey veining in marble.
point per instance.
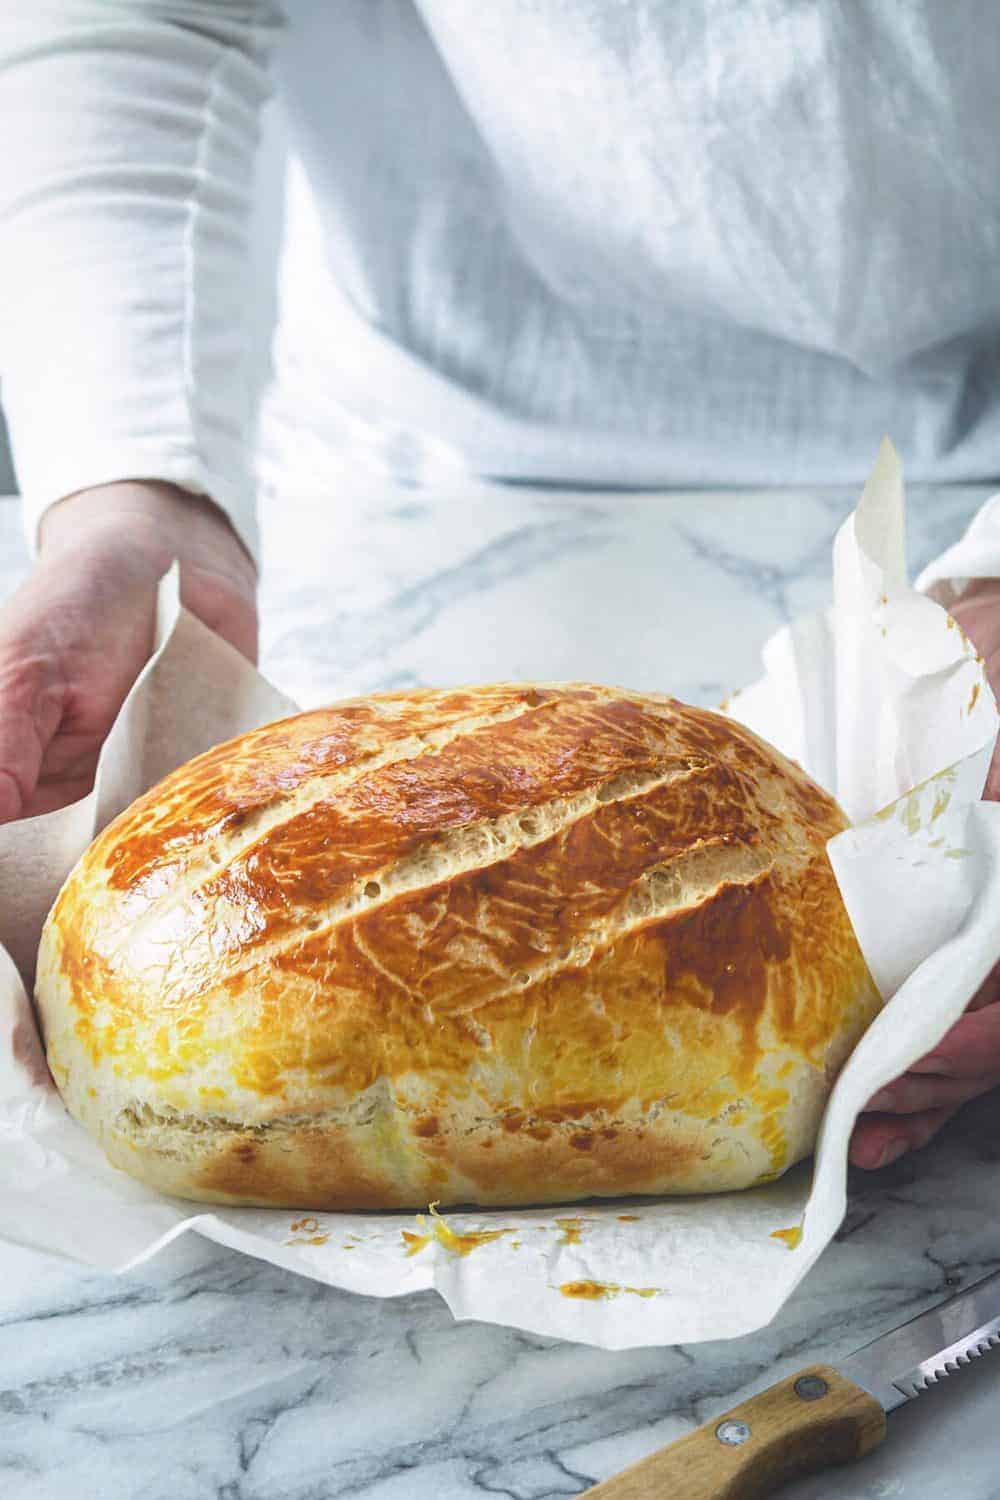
(206, 1374)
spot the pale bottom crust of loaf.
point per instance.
(327, 1163)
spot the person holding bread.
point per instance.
(553, 241)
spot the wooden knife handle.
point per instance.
(811, 1421)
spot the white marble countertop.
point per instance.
(206, 1374)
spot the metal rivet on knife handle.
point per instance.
(733, 1433)
(811, 1387)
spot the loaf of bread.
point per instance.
(509, 944)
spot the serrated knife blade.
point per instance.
(902, 1363)
(823, 1415)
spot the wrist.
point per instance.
(152, 519)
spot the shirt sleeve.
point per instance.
(126, 179)
(975, 555)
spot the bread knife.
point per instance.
(821, 1416)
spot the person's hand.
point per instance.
(966, 1062)
(76, 634)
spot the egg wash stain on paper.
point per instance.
(598, 1291)
(456, 1242)
(570, 1229)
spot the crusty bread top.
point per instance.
(399, 892)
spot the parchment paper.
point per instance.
(881, 698)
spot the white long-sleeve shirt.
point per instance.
(593, 241)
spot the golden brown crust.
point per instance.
(520, 943)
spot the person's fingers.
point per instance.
(11, 799)
(988, 992)
(227, 607)
(916, 1092)
(31, 706)
(971, 1049)
(991, 791)
(881, 1139)
(71, 641)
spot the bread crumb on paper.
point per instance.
(306, 1232)
(414, 1243)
